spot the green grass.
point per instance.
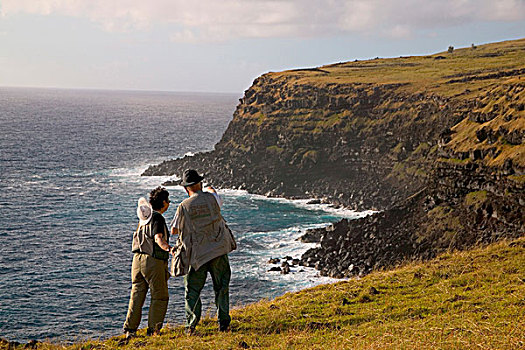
(311, 155)
(463, 300)
(475, 199)
(517, 178)
(422, 73)
(501, 102)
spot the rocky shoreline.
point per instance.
(440, 155)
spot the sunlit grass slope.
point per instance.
(445, 73)
(464, 300)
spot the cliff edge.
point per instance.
(434, 142)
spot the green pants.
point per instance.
(219, 269)
(148, 272)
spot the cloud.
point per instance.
(212, 20)
(399, 32)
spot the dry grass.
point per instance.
(463, 300)
(421, 73)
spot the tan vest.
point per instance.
(202, 229)
(144, 238)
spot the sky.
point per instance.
(222, 46)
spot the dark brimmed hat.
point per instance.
(190, 177)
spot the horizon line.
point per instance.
(117, 89)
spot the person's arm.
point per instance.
(174, 222)
(212, 190)
(158, 228)
(159, 239)
(174, 228)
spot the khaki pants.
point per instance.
(147, 272)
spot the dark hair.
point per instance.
(157, 197)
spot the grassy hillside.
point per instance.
(446, 74)
(465, 300)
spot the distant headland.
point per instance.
(436, 143)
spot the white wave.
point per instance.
(127, 172)
(133, 175)
(237, 193)
(301, 203)
(175, 186)
(343, 212)
(281, 244)
(35, 180)
(31, 182)
(301, 277)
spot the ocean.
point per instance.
(70, 165)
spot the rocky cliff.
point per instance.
(435, 142)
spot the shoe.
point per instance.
(151, 332)
(224, 327)
(130, 334)
(127, 337)
(190, 331)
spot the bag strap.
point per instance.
(217, 213)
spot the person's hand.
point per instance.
(210, 188)
(173, 250)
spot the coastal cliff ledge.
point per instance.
(435, 142)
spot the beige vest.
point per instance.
(202, 230)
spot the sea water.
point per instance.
(70, 165)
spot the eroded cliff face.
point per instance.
(474, 194)
(436, 142)
(339, 142)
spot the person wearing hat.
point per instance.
(149, 269)
(204, 245)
